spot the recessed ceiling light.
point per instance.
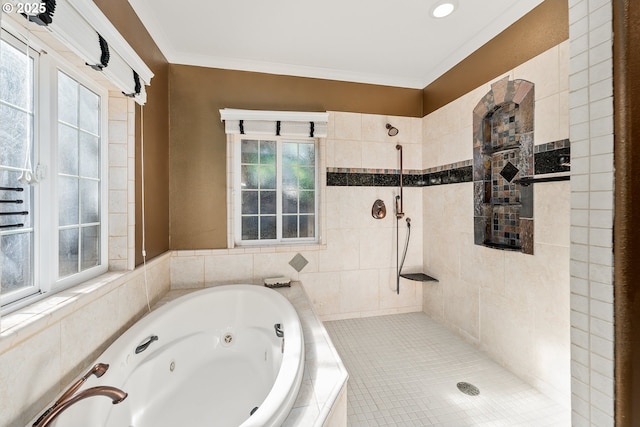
(443, 9)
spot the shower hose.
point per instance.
(404, 253)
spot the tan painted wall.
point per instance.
(156, 130)
(198, 142)
(544, 27)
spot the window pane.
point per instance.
(67, 99)
(67, 150)
(268, 152)
(268, 177)
(16, 262)
(289, 153)
(307, 202)
(89, 156)
(89, 111)
(249, 228)
(289, 178)
(68, 252)
(249, 151)
(307, 178)
(22, 199)
(14, 85)
(290, 226)
(307, 226)
(307, 154)
(90, 201)
(249, 177)
(13, 136)
(79, 185)
(267, 227)
(68, 201)
(290, 201)
(267, 203)
(249, 202)
(90, 247)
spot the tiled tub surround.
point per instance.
(513, 306)
(322, 399)
(45, 346)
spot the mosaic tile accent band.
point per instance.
(552, 157)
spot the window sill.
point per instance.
(25, 322)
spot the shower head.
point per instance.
(399, 147)
(392, 130)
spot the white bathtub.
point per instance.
(217, 358)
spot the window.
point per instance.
(276, 190)
(52, 228)
(16, 150)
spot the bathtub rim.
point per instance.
(277, 409)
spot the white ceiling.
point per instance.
(388, 42)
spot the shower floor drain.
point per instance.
(469, 389)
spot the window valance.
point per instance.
(278, 123)
(83, 28)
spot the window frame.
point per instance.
(44, 159)
(10, 38)
(237, 192)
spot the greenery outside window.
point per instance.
(276, 190)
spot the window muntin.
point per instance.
(17, 113)
(276, 191)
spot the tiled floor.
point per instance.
(403, 371)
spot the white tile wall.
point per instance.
(591, 104)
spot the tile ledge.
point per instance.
(317, 404)
(50, 308)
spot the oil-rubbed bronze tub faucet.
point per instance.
(70, 396)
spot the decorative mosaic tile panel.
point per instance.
(504, 191)
(505, 229)
(503, 127)
(503, 150)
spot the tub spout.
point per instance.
(115, 394)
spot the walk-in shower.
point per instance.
(419, 277)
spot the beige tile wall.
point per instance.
(511, 305)
(44, 347)
(351, 272)
(121, 139)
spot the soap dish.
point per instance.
(277, 282)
